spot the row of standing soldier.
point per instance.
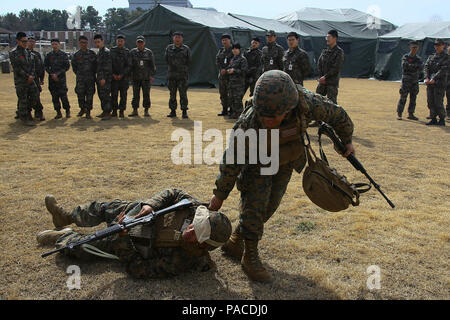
(109, 70)
(436, 80)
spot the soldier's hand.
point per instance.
(215, 204)
(120, 219)
(427, 81)
(323, 80)
(42, 82)
(152, 79)
(55, 77)
(350, 150)
(223, 72)
(231, 71)
(102, 82)
(119, 77)
(30, 79)
(146, 209)
(432, 81)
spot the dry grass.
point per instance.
(79, 160)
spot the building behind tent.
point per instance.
(150, 4)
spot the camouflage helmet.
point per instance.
(275, 94)
(220, 229)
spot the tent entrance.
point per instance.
(158, 43)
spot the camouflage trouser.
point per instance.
(182, 85)
(224, 83)
(104, 93)
(329, 91)
(408, 88)
(122, 87)
(236, 93)
(260, 198)
(435, 97)
(92, 215)
(448, 99)
(145, 85)
(58, 91)
(85, 91)
(27, 96)
(250, 82)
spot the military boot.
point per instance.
(234, 247)
(412, 117)
(252, 265)
(67, 113)
(106, 116)
(172, 114)
(58, 114)
(185, 115)
(81, 113)
(134, 113)
(121, 114)
(223, 113)
(146, 114)
(433, 122)
(61, 217)
(49, 237)
(101, 115)
(114, 113)
(399, 116)
(88, 114)
(39, 115)
(441, 122)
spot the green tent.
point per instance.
(358, 35)
(202, 32)
(282, 31)
(392, 46)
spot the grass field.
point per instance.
(311, 254)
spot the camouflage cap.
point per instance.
(271, 33)
(439, 42)
(220, 228)
(275, 94)
(140, 39)
(413, 43)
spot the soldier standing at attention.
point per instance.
(436, 81)
(296, 60)
(253, 56)
(24, 75)
(104, 76)
(121, 62)
(277, 104)
(223, 59)
(57, 64)
(411, 65)
(84, 65)
(178, 58)
(236, 71)
(39, 77)
(329, 66)
(448, 83)
(272, 53)
(143, 70)
(175, 243)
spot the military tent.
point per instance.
(282, 31)
(358, 34)
(392, 46)
(202, 32)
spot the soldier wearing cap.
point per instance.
(178, 58)
(84, 65)
(39, 77)
(236, 71)
(24, 79)
(121, 63)
(175, 243)
(104, 76)
(253, 56)
(296, 60)
(143, 70)
(272, 53)
(329, 67)
(223, 59)
(57, 64)
(436, 69)
(412, 66)
(277, 104)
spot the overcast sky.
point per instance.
(397, 12)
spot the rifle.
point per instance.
(126, 225)
(326, 129)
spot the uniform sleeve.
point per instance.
(167, 198)
(218, 60)
(405, 64)
(152, 66)
(166, 55)
(442, 69)
(426, 69)
(323, 109)
(18, 66)
(65, 65)
(155, 268)
(74, 64)
(47, 64)
(127, 69)
(189, 56)
(242, 67)
(280, 58)
(336, 66)
(304, 63)
(319, 65)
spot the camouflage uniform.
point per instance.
(142, 68)
(84, 65)
(329, 65)
(272, 57)
(39, 77)
(253, 57)
(58, 63)
(27, 93)
(412, 65)
(121, 64)
(237, 83)
(296, 64)
(178, 60)
(223, 60)
(162, 259)
(262, 194)
(104, 72)
(436, 68)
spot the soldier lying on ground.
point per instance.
(175, 243)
